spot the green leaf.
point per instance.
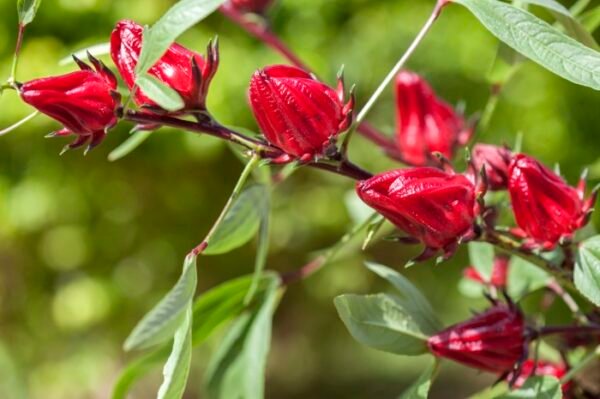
(481, 256)
(137, 369)
(470, 288)
(381, 322)
(160, 323)
(179, 18)
(551, 5)
(27, 10)
(545, 387)
(177, 368)
(241, 222)
(210, 311)
(237, 369)
(539, 41)
(420, 388)
(262, 250)
(410, 297)
(525, 277)
(126, 147)
(587, 269)
(163, 95)
(591, 19)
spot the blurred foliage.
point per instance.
(88, 246)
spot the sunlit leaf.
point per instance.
(420, 388)
(27, 10)
(539, 41)
(481, 255)
(166, 98)
(587, 269)
(179, 18)
(177, 368)
(160, 323)
(238, 368)
(241, 222)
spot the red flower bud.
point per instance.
(85, 102)
(183, 70)
(254, 6)
(434, 206)
(492, 341)
(495, 160)
(296, 112)
(542, 368)
(499, 273)
(546, 208)
(426, 124)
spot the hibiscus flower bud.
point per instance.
(184, 71)
(296, 112)
(541, 368)
(254, 6)
(492, 341)
(435, 206)
(425, 123)
(495, 160)
(499, 273)
(85, 102)
(546, 208)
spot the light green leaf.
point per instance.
(238, 368)
(241, 222)
(576, 30)
(587, 269)
(210, 311)
(545, 387)
(410, 297)
(420, 388)
(591, 19)
(262, 250)
(126, 147)
(179, 18)
(481, 255)
(381, 322)
(552, 5)
(27, 10)
(166, 98)
(525, 277)
(96, 50)
(177, 368)
(539, 41)
(470, 288)
(160, 323)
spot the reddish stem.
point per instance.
(303, 272)
(569, 330)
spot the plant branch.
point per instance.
(568, 300)
(581, 365)
(569, 330)
(13, 69)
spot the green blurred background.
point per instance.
(88, 246)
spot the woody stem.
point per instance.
(209, 126)
(569, 330)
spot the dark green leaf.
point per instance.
(410, 298)
(381, 322)
(420, 388)
(545, 387)
(241, 222)
(161, 94)
(481, 255)
(179, 18)
(160, 323)
(587, 269)
(177, 368)
(126, 147)
(525, 277)
(238, 367)
(27, 10)
(539, 41)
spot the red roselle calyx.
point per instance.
(185, 71)
(85, 102)
(296, 112)
(492, 341)
(546, 208)
(425, 123)
(530, 368)
(495, 160)
(499, 275)
(253, 6)
(432, 205)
